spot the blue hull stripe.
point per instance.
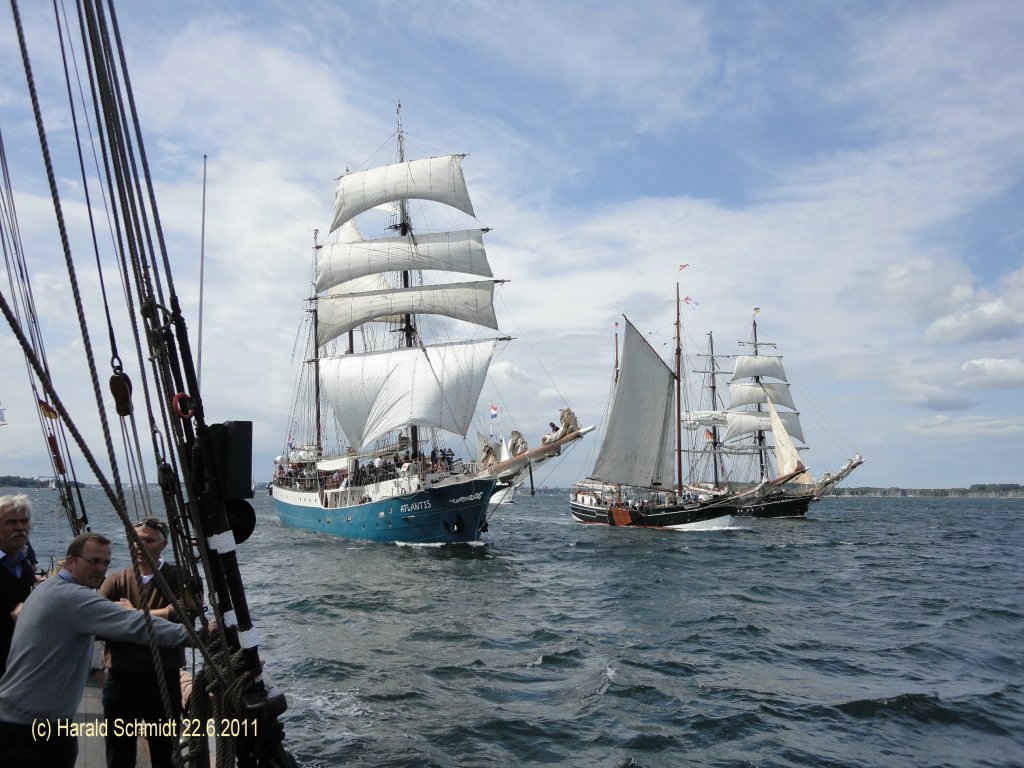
(447, 515)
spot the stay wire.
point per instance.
(227, 575)
(115, 496)
(119, 165)
(132, 447)
(105, 485)
(85, 181)
(65, 243)
(26, 316)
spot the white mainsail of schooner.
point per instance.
(637, 476)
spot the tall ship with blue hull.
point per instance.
(441, 514)
(401, 331)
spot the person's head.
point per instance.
(15, 519)
(88, 559)
(153, 535)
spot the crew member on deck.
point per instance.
(17, 572)
(51, 653)
(131, 690)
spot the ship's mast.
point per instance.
(316, 359)
(716, 456)
(759, 438)
(679, 415)
(404, 227)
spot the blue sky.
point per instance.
(853, 169)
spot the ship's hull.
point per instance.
(448, 514)
(781, 505)
(669, 516)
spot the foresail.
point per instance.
(637, 445)
(749, 366)
(435, 386)
(461, 251)
(437, 178)
(472, 302)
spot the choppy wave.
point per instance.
(880, 632)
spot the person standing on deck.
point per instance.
(17, 575)
(51, 654)
(131, 691)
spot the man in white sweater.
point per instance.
(51, 652)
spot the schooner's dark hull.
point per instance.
(780, 505)
(668, 516)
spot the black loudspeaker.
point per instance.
(232, 454)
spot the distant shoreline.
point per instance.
(980, 491)
(937, 493)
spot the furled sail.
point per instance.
(472, 302)
(752, 393)
(461, 251)
(749, 366)
(637, 446)
(697, 419)
(435, 178)
(435, 386)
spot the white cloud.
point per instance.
(864, 155)
(945, 427)
(994, 373)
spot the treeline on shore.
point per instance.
(13, 481)
(978, 490)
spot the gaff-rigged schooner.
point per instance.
(203, 469)
(404, 375)
(637, 477)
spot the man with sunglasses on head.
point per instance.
(131, 690)
(51, 654)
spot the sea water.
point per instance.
(877, 632)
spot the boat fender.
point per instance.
(121, 389)
(181, 404)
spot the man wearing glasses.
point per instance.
(131, 690)
(51, 654)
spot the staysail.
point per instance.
(637, 446)
(787, 458)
